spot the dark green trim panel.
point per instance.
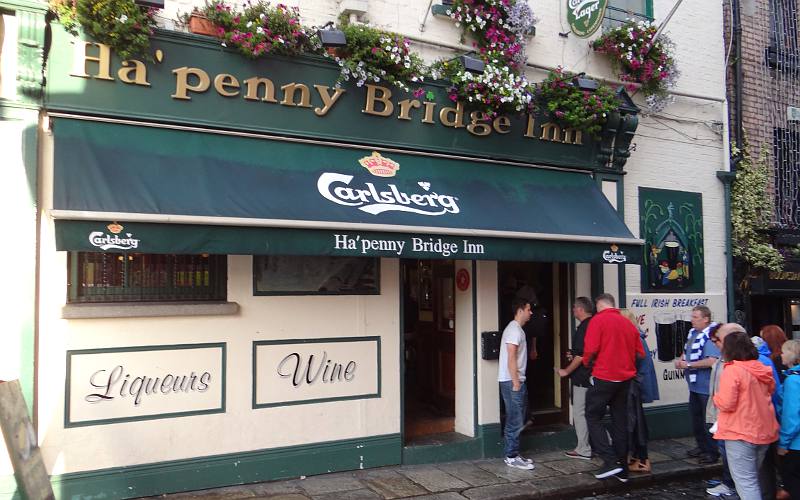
(238, 240)
(230, 469)
(491, 436)
(461, 449)
(77, 352)
(257, 343)
(669, 421)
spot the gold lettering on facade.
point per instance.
(573, 136)
(223, 82)
(551, 132)
(406, 105)
(452, 117)
(384, 98)
(479, 124)
(138, 69)
(182, 85)
(81, 58)
(327, 100)
(289, 91)
(254, 83)
(430, 107)
(529, 126)
(784, 275)
(502, 125)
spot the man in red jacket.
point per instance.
(610, 351)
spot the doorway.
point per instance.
(429, 327)
(545, 285)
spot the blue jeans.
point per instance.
(515, 415)
(727, 479)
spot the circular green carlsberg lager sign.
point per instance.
(585, 16)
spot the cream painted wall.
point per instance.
(488, 392)
(465, 400)
(241, 428)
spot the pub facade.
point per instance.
(242, 271)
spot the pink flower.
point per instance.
(374, 50)
(419, 92)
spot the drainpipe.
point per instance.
(727, 177)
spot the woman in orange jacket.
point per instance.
(746, 418)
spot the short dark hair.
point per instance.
(518, 303)
(607, 298)
(737, 346)
(585, 304)
(705, 311)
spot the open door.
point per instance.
(429, 341)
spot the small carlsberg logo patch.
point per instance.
(375, 198)
(106, 241)
(614, 256)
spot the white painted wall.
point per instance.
(465, 378)
(488, 391)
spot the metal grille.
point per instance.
(138, 277)
(771, 89)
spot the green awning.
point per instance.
(186, 191)
(104, 236)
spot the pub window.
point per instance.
(141, 277)
(619, 11)
(786, 155)
(317, 275)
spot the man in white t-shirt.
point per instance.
(511, 375)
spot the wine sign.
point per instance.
(145, 382)
(290, 372)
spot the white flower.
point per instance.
(249, 23)
(223, 44)
(259, 30)
(123, 18)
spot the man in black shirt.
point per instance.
(579, 375)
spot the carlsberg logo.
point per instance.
(107, 241)
(336, 188)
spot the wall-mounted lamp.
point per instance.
(584, 83)
(331, 38)
(472, 64)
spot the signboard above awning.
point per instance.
(115, 172)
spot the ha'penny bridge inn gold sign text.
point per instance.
(94, 61)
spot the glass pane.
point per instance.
(632, 6)
(293, 274)
(115, 277)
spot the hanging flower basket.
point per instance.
(639, 58)
(201, 25)
(570, 106)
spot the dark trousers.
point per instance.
(614, 395)
(766, 473)
(727, 480)
(790, 472)
(697, 411)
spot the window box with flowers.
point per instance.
(571, 106)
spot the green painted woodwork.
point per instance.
(229, 469)
(586, 18)
(344, 121)
(459, 449)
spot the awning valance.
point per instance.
(253, 190)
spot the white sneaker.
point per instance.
(518, 463)
(720, 490)
(529, 460)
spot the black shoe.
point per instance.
(622, 476)
(609, 469)
(708, 460)
(695, 452)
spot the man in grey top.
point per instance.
(511, 376)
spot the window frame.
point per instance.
(609, 22)
(217, 289)
(303, 293)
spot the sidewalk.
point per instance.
(555, 476)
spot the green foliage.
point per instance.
(120, 24)
(261, 29)
(372, 55)
(751, 208)
(572, 107)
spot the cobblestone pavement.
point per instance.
(669, 491)
(555, 476)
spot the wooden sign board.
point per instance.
(26, 457)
